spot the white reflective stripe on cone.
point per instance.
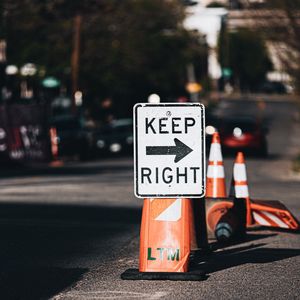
(172, 213)
(215, 172)
(260, 220)
(239, 172)
(215, 153)
(275, 219)
(241, 191)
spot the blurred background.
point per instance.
(78, 67)
(70, 73)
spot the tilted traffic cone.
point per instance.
(215, 178)
(54, 148)
(239, 185)
(215, 213)
(272, 213)
(268, 213)
(227, 219)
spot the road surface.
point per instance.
(69, 232)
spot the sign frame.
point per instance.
(136, 160)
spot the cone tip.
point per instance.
(216, 138)
(240, 158)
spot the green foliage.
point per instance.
(245, 54)
(129, 48)
(283, 4)
(288, 32)
(296, 164)
(215, 4)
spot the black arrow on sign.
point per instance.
(180, 150)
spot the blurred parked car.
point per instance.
(241, 133)
(115, 138)
(73, 138)
(273, 87)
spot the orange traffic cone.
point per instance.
(267, 213)
(165, 241)
(215, 178)
(227, 219)
(224, 218)
(54, 148)
(239, 185)
(215, 212)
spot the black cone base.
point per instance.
(135, 274)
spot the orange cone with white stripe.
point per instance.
(54, 148)
(165, 242)
(165, 235)
(267, 213)
(53, 139)
(215, 178)
(240, 184)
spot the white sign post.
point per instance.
(169, 150)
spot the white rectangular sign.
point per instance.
(169, 150)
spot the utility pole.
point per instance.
(192, 87)
(2, 66)
(75, 57)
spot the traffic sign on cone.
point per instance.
(215, 178)
(239, 185)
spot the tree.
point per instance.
(244, 52)
(286, 35)
(129, 48)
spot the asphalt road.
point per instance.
(69, 232)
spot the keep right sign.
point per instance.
(169, 150)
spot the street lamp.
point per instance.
(154, 98)
(28, 70)
(11, 70)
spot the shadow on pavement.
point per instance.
(255, 254)
(29, 171)
(80, 213)
(249, 237)
(274, 229)
(36, 283)
(46, 248)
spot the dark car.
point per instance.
(73, 138)
(115, 138)
(273, 87)
(241, 133)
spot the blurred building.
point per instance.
(268, 21)
(2, 64)
(207, 16)
(207, 21)
(232, 4)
